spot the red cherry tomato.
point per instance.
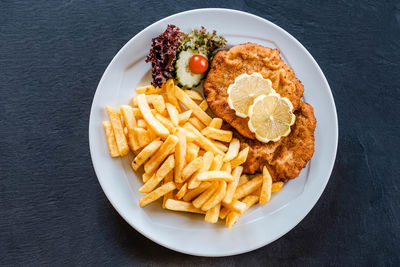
(198, 64)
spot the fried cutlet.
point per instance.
(288, 156)
(247, 58)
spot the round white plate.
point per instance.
(189, 233)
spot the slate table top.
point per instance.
(52, 209)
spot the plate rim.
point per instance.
(293, 222)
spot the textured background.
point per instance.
(52, 209)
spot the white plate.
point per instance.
(189, 233)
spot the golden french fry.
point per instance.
(167, 179)
(235, 205)
(233, 216)
(149, 89)
(126, 132)
(197, 123)
(241, 158)
(184, 116)
(192, 152)
(202, 141)
(136, 112)
(217, 163)
(230, 191)
(243, 179)
(170, 88)
(213, 214)
(190, 137)
(116, 124)
(216, 123)
(191, 168)
(178, 205)
(207, 161)
(166, 148)
(159, 103)
(173, 114)
(165, 168)
(190, 104)
(192, 193)
(156, 194)
(145, 154)
(128, 116)
(146, 177)
(112, 145)
(233, 150)
(249, 187)
(223, 212)
(153, 123)
(181, 191)
(276, 187)
(203, 105)
(203, 197)
(226, 167)
(142, 137)
(214, 176)
(266, 187)
(180, 155)
(217, 134)
(194, 95)
(219, 145)
(141, 124)
(216, 197)
(166, 122)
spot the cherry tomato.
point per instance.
(198, 64)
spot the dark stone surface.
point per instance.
(52, 209)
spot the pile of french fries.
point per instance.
(188, 160)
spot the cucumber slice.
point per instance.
(184, 76)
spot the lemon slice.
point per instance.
(245, 89)
(271, 117)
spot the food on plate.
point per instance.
(185, 167)
(183, 56)
(270, 117)
(245, 89)
(262, 135)
(247, 58)
(286, 157)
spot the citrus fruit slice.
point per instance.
(245, 89)
(271, 117)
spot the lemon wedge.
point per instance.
(271, 117)
(245, 89)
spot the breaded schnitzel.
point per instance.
(288, 156)
(247, 58)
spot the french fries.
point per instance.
(166, 148)
(233, 150)
(149, 118)
(118, 130)
(188, 160)
(233, 216)
(241, 158)
(177, 205)
(145, 154)
(173, 114)
(156, 194)
(112, 145)
(215, 176)
(193, 166)
(190, 104)
(230, 191)
(217, 134)
(180, 155)
(266, 187)
(216, 123)
(249, 187)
